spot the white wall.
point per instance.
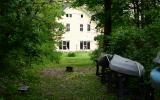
(75, 35)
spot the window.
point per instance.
(70, 15)
(81, 27)
(84, 45)
(64, 45)
(67, 27)
(66, 15)
(81, 15)
(88, 27)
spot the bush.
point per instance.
(71, 54)
(141, 45)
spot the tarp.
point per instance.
(126, 66)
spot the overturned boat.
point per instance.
(126, 66)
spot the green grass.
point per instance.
(53, 83)
(79, 85)
(80, 60)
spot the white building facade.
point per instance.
(80, 31)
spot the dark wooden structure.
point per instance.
(69, 69)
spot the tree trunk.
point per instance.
(107, 22)
(137, 12)
(142, 14)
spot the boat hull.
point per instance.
(126, 66)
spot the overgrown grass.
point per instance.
(50, 81)
(79, 85)
(80, 60)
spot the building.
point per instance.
(80, 31)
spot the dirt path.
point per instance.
(59, 72)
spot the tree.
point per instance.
(103, 15)
(133, 17)
(145, 11)
(27, 29)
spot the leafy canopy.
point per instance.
(27, 31)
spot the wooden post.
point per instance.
(120, 93)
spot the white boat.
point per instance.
(126, 66)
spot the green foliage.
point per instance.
(133, 37)
(71, 54)
(55, 84)
(141, 45)
(123, 12)
(51, 82)
(95, 54)
(27, 31)
(81, 59)
(135, 33)
(119, 12)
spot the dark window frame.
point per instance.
(70, 15)
(81, 27)
(64, 45)
(88, 27)
(67, 15)
(85, 45)
(68, 27)
(81, 15)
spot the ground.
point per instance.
(53, 83)
(50, 81)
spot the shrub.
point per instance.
(71, 54)
(141, 45)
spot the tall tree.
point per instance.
(103, 15)
(27, 27)
(107, 22)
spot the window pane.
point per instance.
(64, 48)
(66, 15)
(64, 42)
(81, 27)
(70, 15)
(88, 27)
(81, 44)
(68, 44)
(68, 27)
(85, 43)
(85, 47)
(88, 45)
(81, 15)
